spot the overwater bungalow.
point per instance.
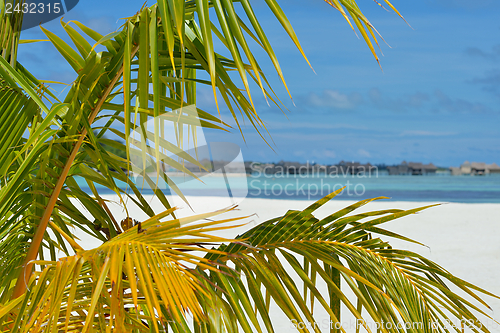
(475, 169)
(412, 168)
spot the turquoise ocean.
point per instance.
(435, 188)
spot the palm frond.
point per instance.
(396, 288)
(142, 278)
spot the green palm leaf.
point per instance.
(393, 286)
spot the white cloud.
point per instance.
(335, 99)
(102, 24)
(326, 125)
(329, 153)
(399, 104)
(364, 153)
(426, 133)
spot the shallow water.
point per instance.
(445, 188)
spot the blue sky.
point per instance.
(436, 100)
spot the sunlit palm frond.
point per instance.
(285, 259)
(143, 278)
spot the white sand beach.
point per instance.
(463, 238)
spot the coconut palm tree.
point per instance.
(167, 273)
